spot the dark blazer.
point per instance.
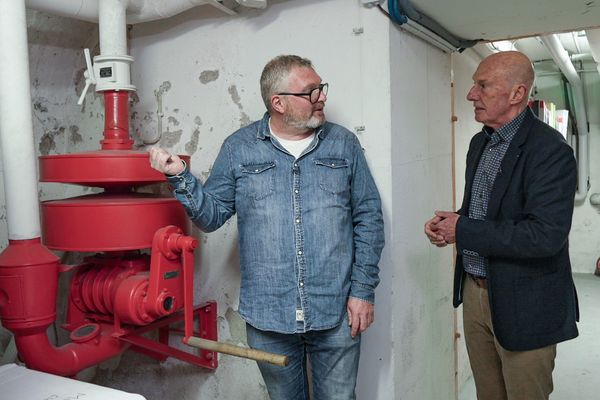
(525, 238)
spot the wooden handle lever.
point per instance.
(237, 351)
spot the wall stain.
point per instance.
(39, 104)
(244, 118)
(209, 76)
(75, 137)
(47, 144)
(235, 96)
(134, 99)
(173, 120)
(165, 87)
(192, 146)
(198, 120)
(170, 139)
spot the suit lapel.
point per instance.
(473, 157)
(503, 179)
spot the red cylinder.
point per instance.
(28, 285)
(108, 222)
(116, 121)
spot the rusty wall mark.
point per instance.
(170, 139)
(192, 146)
(235, 96)
(47, 144)
(209, 76)
(75, 137)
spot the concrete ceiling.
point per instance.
(497, 20)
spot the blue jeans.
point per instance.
(333, 357)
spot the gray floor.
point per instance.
(578, 360)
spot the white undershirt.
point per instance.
(294, 147)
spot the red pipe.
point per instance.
(28, 287)
(116, 121)
(37, 352)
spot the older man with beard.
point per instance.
(310, 228)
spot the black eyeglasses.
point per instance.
(313, 95)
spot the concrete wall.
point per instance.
(463, 66)
(422, 182)
(204, 66)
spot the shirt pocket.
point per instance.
(258, 180)
(333, 174)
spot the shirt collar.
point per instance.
(507, 131)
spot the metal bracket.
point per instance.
(207, 318)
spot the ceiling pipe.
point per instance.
(137, 10)
(561, 58)
(86, 10)
(593, 37)
(458, 43)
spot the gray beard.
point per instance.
(312, 123)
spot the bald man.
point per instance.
(513, 274)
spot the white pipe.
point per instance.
(593, 37)
(150, 10)
(16, 128)
(138, 10)
(113, 27)
(86, 10)
(561, 58)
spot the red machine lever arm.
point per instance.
(188, 290)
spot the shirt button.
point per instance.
(332, 164)
(299, 252)
(301, 284)
(256, 170)
(296, 191)
(297, 220)
(295, 165)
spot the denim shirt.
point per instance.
(310, 229)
